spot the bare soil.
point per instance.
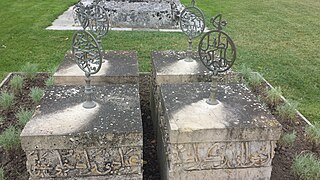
(14, 161)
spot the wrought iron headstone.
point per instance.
(217, 52)
(192, 23)
(86, 48)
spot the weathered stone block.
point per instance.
(63, 140)
(118, 67)
(143, 13)
(232, 140)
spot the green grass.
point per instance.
(306, 166)
(1, 173)
(50, 81)
(6, 100)
(36, 94)
(279, 39)
(16, 83)
(23, 116)
(287, 110)
(1, 120)
(287, 139)
(10, 138)
(313, 134)
(29, 70)
(274, 95)
(254, 80)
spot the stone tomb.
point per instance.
(232, 140)
(65, 140)
(117, 67)
(143, 13)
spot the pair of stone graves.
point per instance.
(205, 130)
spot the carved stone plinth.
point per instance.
(232, 140)
(64, 140)
(118, 67)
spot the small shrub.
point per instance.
(1, 173)
(10, 138)
(1, 120)
(287, 110)
(49, 81)
(52, 71)
(254, 80)
(36, 94)
(287, 139)
(30, 70)
(306, 166)
(16, 83)
(245, 71)
(313, 134)
(274, 96)
(23, 116)
(6, 100)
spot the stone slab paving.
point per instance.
(232, 140)
(66, 20)
(118, 67)
(65, 140)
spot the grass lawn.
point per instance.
(278, 38)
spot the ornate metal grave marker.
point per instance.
(94, 17)
(86, 48)
(192, 23)
(217, 52)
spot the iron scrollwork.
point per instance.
(94, 17)
(86, 52)
(217, 52)
(192, 23)
(86, 48)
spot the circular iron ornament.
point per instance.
(86, 52)
(82, 15)
(192, 22)
(98, 20)
(217, 51)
